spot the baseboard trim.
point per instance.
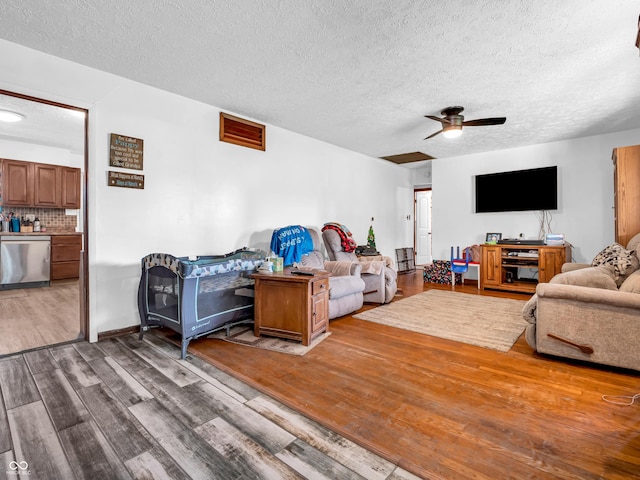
(118, 332)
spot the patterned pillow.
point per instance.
(623, 261)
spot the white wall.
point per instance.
(201, 196)
(40, 153)
(585, 194)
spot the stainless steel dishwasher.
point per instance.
(25, 260)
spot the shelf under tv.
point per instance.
(508, 266)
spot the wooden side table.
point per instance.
(291, 306)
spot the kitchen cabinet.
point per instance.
(46, 185)
(30, 184)
(70, 179)
(17, 183)
(65, 256)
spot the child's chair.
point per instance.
(458, 264)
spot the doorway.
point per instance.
(422, 215)
(54, 134)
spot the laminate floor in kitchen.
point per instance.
(124, 408)
(37, 317)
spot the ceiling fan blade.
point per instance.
(438, 119)
(484, 121)
(434, 134)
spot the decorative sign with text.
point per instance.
(125, 152)
(127, 180)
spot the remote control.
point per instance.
(302, 272)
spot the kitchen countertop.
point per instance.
(47, 233)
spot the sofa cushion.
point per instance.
(623, 261)
(631, 283)
(595, 277)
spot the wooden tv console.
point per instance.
(502, 263)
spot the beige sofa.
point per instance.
(590, 312)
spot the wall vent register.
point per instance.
(242, 132)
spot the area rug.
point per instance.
(243, 335)
(489, 322)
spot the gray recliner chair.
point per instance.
(380, 277)
(346, 286)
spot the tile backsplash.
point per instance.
(55, 219)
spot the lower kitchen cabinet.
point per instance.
(65, 256)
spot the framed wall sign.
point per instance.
(125, 152)
(127, 180)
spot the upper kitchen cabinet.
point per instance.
(70, 187)
(46, 185)
(29, 184)
(17, 183)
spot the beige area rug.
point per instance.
(243, 335)
(489, 322)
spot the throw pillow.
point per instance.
(623, 261)
(632, 283)
(594, 277)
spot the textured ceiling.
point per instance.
(44, 124)
(362, 74)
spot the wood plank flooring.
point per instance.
(369, 402)
(446, 410)
(37, 317)
(126, 409)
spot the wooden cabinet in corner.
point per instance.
(30, 184)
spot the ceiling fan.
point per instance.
(453, 122)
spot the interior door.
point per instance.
(422, 200)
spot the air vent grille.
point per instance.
(242, 132)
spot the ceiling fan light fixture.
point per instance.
(452, 131)
(8, 116)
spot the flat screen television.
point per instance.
(516, 191)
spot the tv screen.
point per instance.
(520, 190)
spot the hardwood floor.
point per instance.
(442, 409)
(37, 317)
(369, 402)
(125, 409)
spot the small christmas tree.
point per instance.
(371, 239)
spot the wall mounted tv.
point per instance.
(516, 191)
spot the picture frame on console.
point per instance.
(492, 238)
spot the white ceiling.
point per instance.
(362, 74)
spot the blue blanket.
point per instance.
(291, 243)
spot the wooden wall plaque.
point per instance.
(125, 152)
(127, 180)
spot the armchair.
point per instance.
(590, 312)
(380, 276)
(345, 283)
